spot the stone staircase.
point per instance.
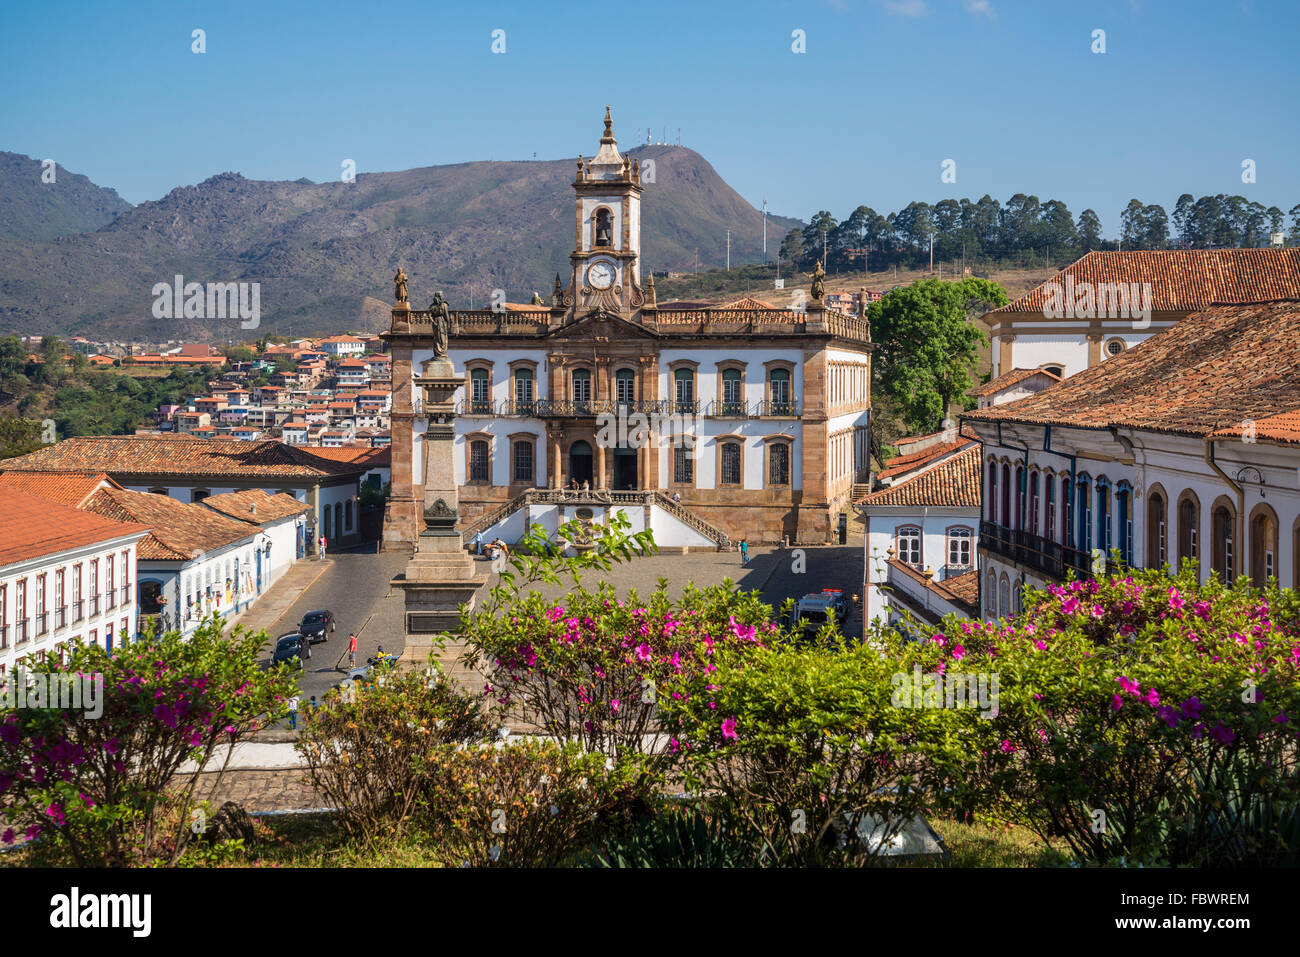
(859, 490)
(488, 519)
(689, 518)
(597, 497)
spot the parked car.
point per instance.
(291, 647)
(317, 625)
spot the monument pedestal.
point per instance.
(440, 576)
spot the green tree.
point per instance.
(926, 342)
(1089, 230)
(19, 436)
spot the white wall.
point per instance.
(934, 524)
(103, 622)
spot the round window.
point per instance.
(1115, 346)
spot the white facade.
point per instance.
(931, 538)
(85, 593)
(1127, 491)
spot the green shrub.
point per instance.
(105, 789)
(530, 803)
(807, 747)
(370, 750)
(1142, 717)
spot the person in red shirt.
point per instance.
(352, 650)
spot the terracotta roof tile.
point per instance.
(1008, 379)
(960, 590)
(35, 527)
(66, 488)
(1207, 372)
(954, 482)
(120, 455)
(1284, 428)
(357, 454)
(256, 506)
(177, 530)
(1182, 280)
(914, 460)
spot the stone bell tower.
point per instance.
(607, 240)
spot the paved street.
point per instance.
(355, 587)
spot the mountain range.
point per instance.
(76, 259)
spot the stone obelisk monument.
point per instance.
(440, 576)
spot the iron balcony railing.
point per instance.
(126, 595)
(1040, 553)
(573, 408)
(60, 617)
(110, 599)
(752, 410)
(4, 636)
(42, 623)
(78, 610)
(20, 631)
(94, 606)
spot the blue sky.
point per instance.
(887, 90)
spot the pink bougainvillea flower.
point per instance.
(1152, 697)
(958, 652)
(7, 836)
(1040, 645)
(643, 652)
(939, 640)
(1129, 685)
(1007, 747)
(1175, 598)
(729, 728)
(613, 705)
(32, 832)
(1222, 733)
(1115, 702)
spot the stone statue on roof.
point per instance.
(818, 282)
(537, 299)
(399, 283)
(441, 317)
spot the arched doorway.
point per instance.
(580, 462)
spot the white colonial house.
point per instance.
(1107, 302)
(191, 469)
(65, 576)
(195, 560)
(1185, 447)
(921, 531)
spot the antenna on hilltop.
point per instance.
(679, 136)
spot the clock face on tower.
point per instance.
(600, 275)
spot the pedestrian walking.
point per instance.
(352, 650)
(293, 713)
(677, 498)
(478, 543)
(744, 552)
(322, 546)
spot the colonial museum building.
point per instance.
(705, 424)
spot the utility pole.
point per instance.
(932, 254)
(764, 230)
(728, 250)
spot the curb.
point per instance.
(306, 585)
